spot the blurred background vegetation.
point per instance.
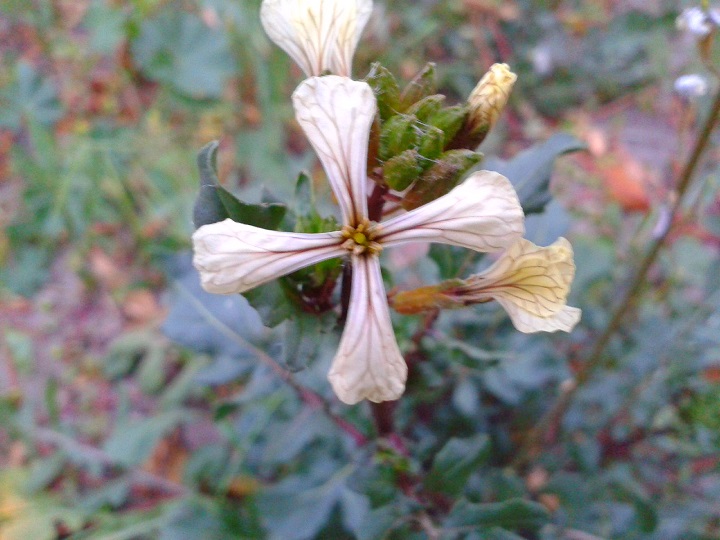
(134, 406)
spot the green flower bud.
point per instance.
(421, 86)
(398, 134)
(402, 170)
(432, 143)
(449, 120)
(386, 89)
(440, 178)
(427, 107)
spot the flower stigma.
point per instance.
(361, 239)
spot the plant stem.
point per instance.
(550, 421)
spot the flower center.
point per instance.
(361, 239)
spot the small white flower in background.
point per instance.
(532, 283)
(691, 86)
(696, 21)
(319, 35)
(542, 60)
(714, 14)
(483, 213)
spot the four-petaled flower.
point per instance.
(320, 35)
(482, 213)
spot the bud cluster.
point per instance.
(425, 147)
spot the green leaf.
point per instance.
(304, 203)
(450, 260)
(513, 514)
(629, 490)
(379, 523)
(530, 171)
(271, 302)
(33, 98)
(211, 519)
(106, 24)
(178, 49)
(225, 327)
(302, 335)
(292, 514)
(455, 462)
(132, 442)
(214, 203)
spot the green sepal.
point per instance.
(427, 107)
(432, 143)
(449, 120)
(398, 134)
(402, 170)
(440, 178)
(214, 203)
(386, 89)
(420, 87)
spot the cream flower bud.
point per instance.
(489, 98)
(319, 35)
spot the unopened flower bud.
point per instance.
(489, 98)
(440, 178)
(691, 86)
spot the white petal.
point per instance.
(368, 364)
(233, 257)
(483, 213)
(349, 29)
(532, 284)
(564, 320)
(336, 114)
(317, 34)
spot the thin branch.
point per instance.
(550, 421)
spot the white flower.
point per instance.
(482, 213)
(532, 284)
(319, 35)
(696, 21)
(691, 86)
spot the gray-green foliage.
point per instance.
(635, 457)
